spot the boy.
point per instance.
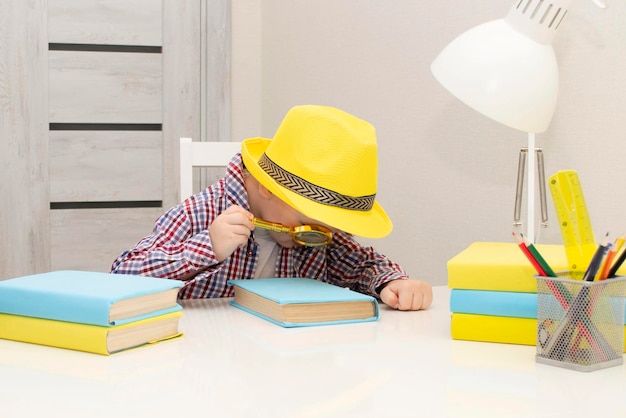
(317, 176)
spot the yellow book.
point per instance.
(90, 338)
(496, 329)
(500, 266)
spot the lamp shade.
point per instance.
(506, 69)
(502, 74)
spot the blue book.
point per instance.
(486, 302)
(85, 297)
(496, 303)
(299, 302)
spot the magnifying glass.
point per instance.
(309, 235)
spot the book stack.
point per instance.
(94, 312)
(493, 292)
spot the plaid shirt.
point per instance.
(180, 245)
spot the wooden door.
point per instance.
(124, 80)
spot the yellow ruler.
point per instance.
(571, 211)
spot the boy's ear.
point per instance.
(264, 192)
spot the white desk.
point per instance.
(233, 364)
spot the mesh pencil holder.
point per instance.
(580, 324)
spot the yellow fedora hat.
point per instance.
(323, 162)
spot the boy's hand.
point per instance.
(407, 295)
(230, 230)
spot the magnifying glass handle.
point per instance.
(276, 227)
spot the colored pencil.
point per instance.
(529, 255)
(542, 262)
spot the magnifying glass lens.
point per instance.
(311, 238)
(309, 235)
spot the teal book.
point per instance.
(496, 303)
(299, 302)
(486, 302)
(86, 297)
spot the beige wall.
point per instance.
(447, 174)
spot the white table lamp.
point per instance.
(506, 69)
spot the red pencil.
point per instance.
(529, 256)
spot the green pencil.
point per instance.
(542, 262)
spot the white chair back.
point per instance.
(202, 154)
